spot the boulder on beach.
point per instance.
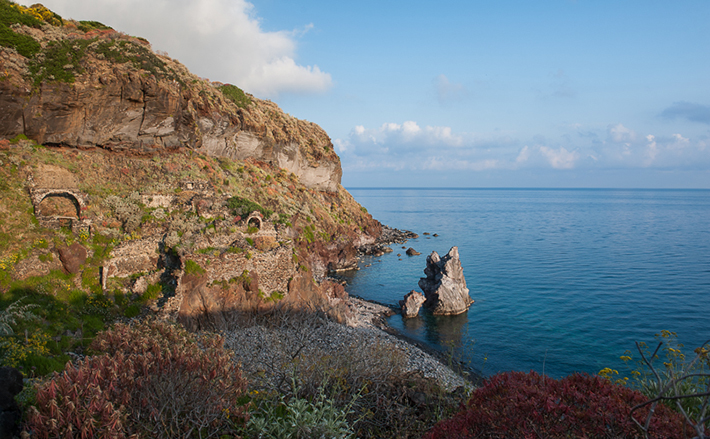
(444, 285)
(411, 252)
(411, 303)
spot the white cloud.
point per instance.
(447, 91)
(407, 133)
(416, 148)
(219, 39)
(524, 155)
(560, 158)
(651, 150)
(620, 134)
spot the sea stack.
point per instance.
(411, 304)
(444, 285)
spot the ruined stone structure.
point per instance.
(79, 199)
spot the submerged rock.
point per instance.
(445, 285)
(411, 303)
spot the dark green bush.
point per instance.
(193, 268)
(86, 26)
(236, 95)
(10, 14)
(25, 45)
(243, 207)
(61, 62)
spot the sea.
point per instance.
(564, 280)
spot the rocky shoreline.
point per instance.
(267, 352)
(388, 237)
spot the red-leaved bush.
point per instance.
(528, 405)
(151, 379)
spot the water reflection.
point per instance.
(446, 333)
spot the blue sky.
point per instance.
(554, 93)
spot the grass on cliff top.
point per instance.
(10, 13)
(87, 26)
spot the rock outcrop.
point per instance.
(412, 252)
(117, 94)
(444, 285)
(411, 304)
(72, 257)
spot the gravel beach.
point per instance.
(269, 352)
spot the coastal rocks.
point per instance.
(391, 235)
(445, 286)
(411, 252)
(411, 303)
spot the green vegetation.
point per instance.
(192, 268)
(236, 95)
(25, 45)
(12, 13)
(243, 207)
(142, 58)
(680, 384)
(86, 26)
(61, 61)
(300, 418)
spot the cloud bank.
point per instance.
(408, 146)
(219, 39)
(689, 111)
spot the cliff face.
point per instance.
(141, 180)
(105, 89)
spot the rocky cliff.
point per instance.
(101, 88)
(124, 175)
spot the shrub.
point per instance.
(236, 95)
(682, 385)
(151, 380)
(517, 404)
(86, 26)
(243, 207)
(11, 13)
(193, 268)
(25, 45)
(299, 418)
(61, 61)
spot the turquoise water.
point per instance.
(563, 280)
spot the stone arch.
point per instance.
(65, 196)
(77, 198)
(255, 220)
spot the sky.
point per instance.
(452, 93)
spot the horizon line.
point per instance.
(525, 188)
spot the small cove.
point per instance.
(564, 280)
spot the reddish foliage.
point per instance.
(152, 379)
(528, 405)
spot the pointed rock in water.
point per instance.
(445, 285)
(411, 303)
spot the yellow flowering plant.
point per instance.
(681, 384)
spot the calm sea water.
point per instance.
(563, 280)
